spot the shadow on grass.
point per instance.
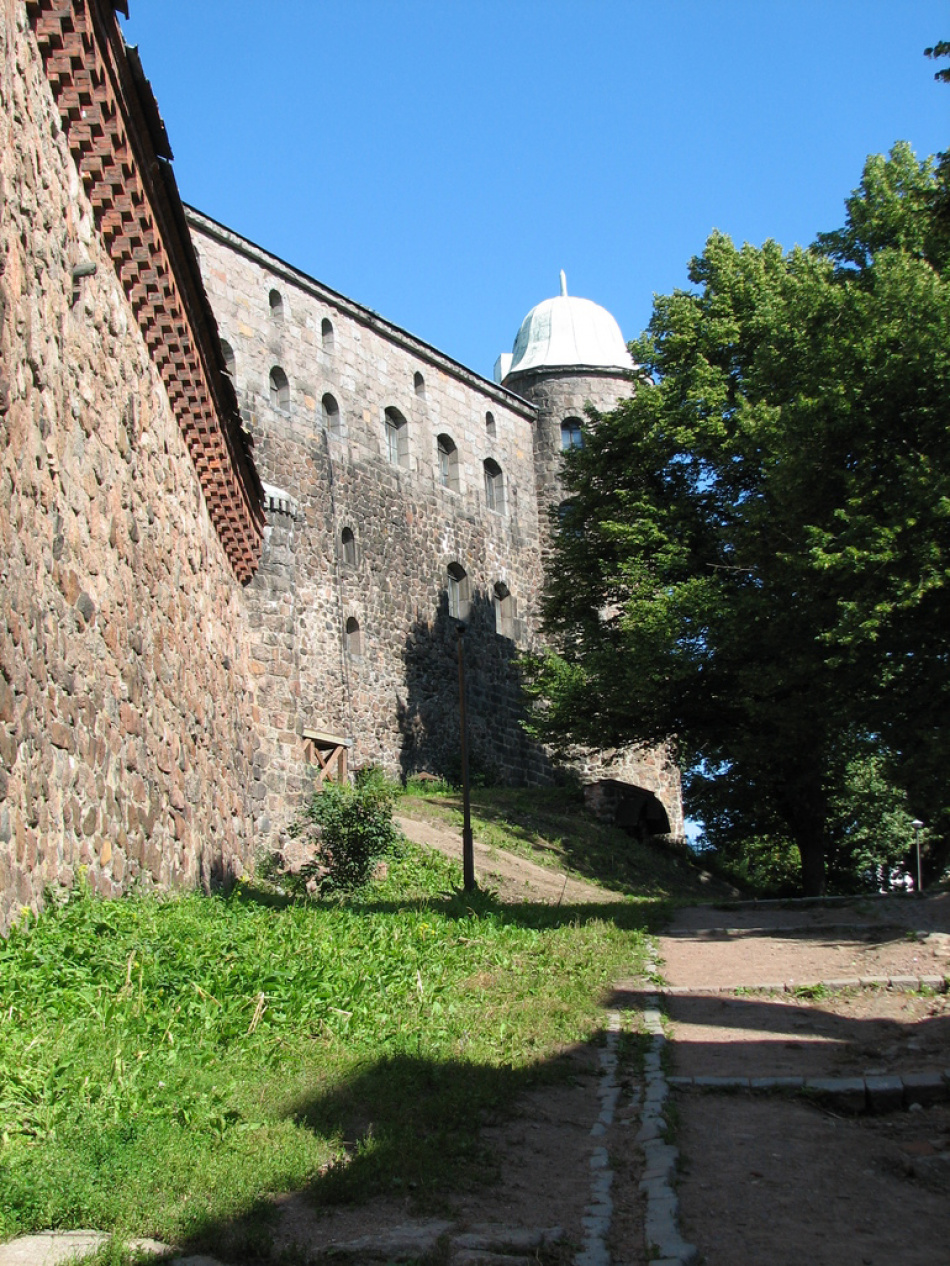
(645, 914)
(409, 1128)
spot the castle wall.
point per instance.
(396, 696)
(126, 732)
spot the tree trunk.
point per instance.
(806, 813)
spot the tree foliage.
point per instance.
(754, 555)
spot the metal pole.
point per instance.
(468, 847)
(917, 824)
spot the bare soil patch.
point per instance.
(781, 1182)
(767, 1179)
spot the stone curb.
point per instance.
(664, 1244)
(856, 1094)
(902, 984)
(599, 1211)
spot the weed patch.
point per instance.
(168, 1065)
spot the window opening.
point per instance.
(494, 486)
(326, 334)
(397, 438)
(276, 305)
(279, 389)
(349, 547)
(490, 423)
(459, 592)
(331, 414)
(419, 383)
(354, 644)
(571, 434)
(448, 463)
(228, 352)
(504, 605)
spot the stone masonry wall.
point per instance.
(560, 394)
(126, 733)
(396, 694)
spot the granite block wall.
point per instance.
(127, 730)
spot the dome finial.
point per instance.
(563, 284)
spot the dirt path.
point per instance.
(779, 1180)
(513, 878)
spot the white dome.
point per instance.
(566, 332)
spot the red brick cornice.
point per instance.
(118, 142)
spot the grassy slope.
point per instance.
(166, 1065)
(550, 827)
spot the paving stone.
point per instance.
(924, 1088)
(847, 1092)
(721, 1083)
(907, 984)
(776, 1083)
(848, 982)
(885, 1094)
(499, 1238)
(939, 983)
(49, 1248)
(873, 982)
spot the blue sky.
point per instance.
(440, 162)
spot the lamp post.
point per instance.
(917, 825)
(468, 847)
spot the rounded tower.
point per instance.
(568, 354)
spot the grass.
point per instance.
(550, 827)
(168, 1065)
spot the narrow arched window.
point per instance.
(354, 642)
(571, 434)
(419, 384)
(490, 424)
(326, 334)
(331, 415)
(459, 592)
(279, 389)
(228, 353)
(494, 486)
(276, 305)
(397, 438)
(504, 605)
(348, 541)
(448, 463)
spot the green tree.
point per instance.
(753, 561)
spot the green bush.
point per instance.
(351, 828)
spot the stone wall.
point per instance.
(395, 694)
(126, 730)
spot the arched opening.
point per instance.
(276, 305)
(354, 642)
(571, 434)
(448, 463)
(494, 486)
(228, 352)
(459, 592)
(504, 605)
(419, 384)
(397, 438)
(326, 334)
(348, 541)
(279, 389)
(490, 424)
(331, 415)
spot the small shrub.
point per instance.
(351, 828)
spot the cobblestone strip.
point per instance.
(662, 1215)
(903, 984)
(597, 1215)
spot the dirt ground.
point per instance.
(766, 1179)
